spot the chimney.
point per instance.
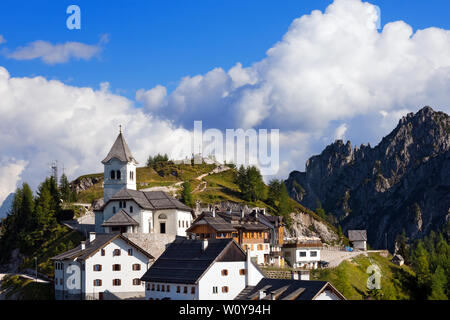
(229, 211)
(91, 236)
(304, 275)
(262, 294)
(242, 213)
(83, 245)
(214, 212)
(204, 244)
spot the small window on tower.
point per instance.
(113, 175)
(118, 175)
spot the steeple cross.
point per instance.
(120, 128)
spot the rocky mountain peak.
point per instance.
(382, 188)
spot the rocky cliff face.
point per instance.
(403, 182)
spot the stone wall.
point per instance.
(153, 243)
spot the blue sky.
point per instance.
(317, 76)
(159, 42)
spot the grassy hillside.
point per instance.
(350, 278)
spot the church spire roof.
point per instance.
(120, 151)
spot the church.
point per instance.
(129, 211)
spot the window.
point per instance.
(168, 288)
(302, 253)
(114, 209)
(116, 267)
(118, 174)
(153, 287)
(131, 175)
(103, 252)
(163, 288)
(192, 290)
(185, 290)
(225, 289)
(148, 286)
(136, 267)
(113, 175)
(178, 289)
(162, 216)
(242, 272)
(131, 209)
(183, 223)
(130, 252)
(61, 281)
(97, 283)
(313, 253)
(179, 223)
(136, 282)
(97, 267)
(117, 282)
(158, 288)
(224, 272)
(215, 290)
(116, 252)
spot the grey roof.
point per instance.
(357, 235)
(287, 289)
(121, 218)
(120, 151)
(217, 223)
(184, 261)
(151, 200)
(100, 241)
(247, 223)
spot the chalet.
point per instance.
(206, 269)
(247, 231)
(286, 289)
(303, 252)
(358, 238)
(276, 234)
(108, 266)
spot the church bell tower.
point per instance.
(119, 168)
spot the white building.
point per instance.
(208, 269)
(358, 238)
(286, 289)
(126, 210)
(303, 253)
(107, 266)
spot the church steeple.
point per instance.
(119, 168)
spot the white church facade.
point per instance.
(127, 210)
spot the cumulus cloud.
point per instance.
(58, 53)
(339, 134)
(44, 120)
(10, 174)
(330, 67)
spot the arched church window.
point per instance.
(131, 175)
(162, 216)
(113, 175)
(118, 175)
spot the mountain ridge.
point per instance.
(402, 182)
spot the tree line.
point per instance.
(33, 220)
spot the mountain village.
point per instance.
(149, 245)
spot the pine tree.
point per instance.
(438, 285)
(186, 194)
(64, 187)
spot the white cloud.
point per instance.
(330, 67)
(58, 53)
(2, 39)
(44, 120)
(10, 173)
(339, 134)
